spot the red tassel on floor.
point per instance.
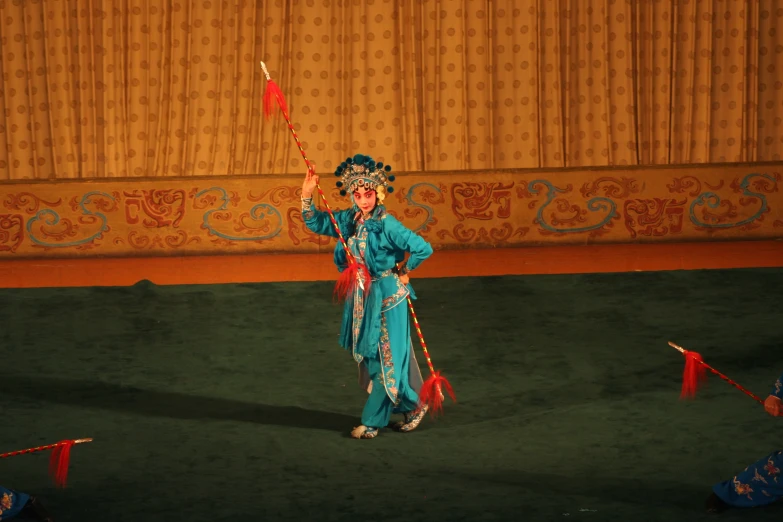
(59, 461)
(348, 280)
(431, 393)
(693, 375)
(271, 93)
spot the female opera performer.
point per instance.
(375, 324)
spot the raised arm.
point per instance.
(316, 220)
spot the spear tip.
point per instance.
(266, 72)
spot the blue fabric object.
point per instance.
(375, 325)
(11, 502)
(777, 388)
(758, 485)
(385, 244)
(390, 394)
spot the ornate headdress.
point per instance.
(363, 171)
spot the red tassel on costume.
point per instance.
(273, 91)
(431, 392)
(59, 461)
(694, 374)
(348, 280)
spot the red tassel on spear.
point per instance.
(431, 393)
(696, 373)
(347, 281)
(59, 460)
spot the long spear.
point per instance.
(59, 460)
(431, 391)
(696, 372)
(345, 283)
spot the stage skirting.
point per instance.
(486, 209)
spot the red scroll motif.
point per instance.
(612, 187)
(476, 200)
(483, 202)
(28, 202)
(495, 235)
(296, 227)
(11, 230)
(156, 209)
(654, 217)
(680, 185)
(161, 207)
(278, 195)
(141, 242)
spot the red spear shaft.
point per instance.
(695, 373)
(347, 280)
(58, 461)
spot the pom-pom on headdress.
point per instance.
(363, 171)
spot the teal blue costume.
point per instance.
(759, 484)
(11, 502)
(375, 326)
(17, 504)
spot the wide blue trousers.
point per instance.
(393, 371)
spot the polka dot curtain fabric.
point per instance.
(142, 89)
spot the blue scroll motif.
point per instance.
(430, 212)
(712, 200)
(595, 204)
(51, 218)
(259, 213)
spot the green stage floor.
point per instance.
(233, 402)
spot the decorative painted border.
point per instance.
(456, 210)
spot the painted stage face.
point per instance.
(365, 199)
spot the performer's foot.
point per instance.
(399, 424)
(364, 432)
(35, 509)
(714, 504)
(412, 420)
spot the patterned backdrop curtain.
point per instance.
(99, 88)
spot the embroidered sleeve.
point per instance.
(777, 388)
(408, 241)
